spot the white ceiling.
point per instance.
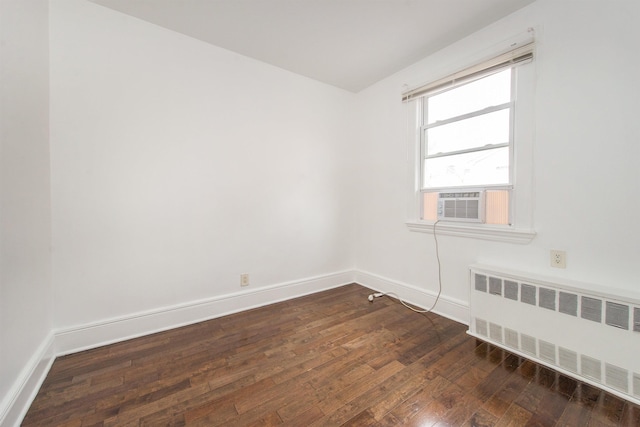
(350, 44)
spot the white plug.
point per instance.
(376, 295)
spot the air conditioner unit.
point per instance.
(467, 206)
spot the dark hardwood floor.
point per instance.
(328, 359)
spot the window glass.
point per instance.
(475, 132)
(485, 167)
(477, 95)
(496, 206)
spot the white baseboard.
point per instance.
(70, 340)
(448, 307)
(84, 337)
(14, 406)
(16, 403)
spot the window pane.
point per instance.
(486, 167)
(430, 206)
(496, 206)
(488, 91)
(492, 128)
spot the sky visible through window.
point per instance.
(467, 134)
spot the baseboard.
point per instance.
(14, 406)
(448, 307)
(70, 340)
(84, 337)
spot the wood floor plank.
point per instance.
(399, 388)
(327, 359)
(308, 417)
(480, 418)
(515, 416)
(349, 401)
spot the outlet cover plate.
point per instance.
(558, 259)
(244, 279)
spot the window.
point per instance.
(466, 134)
(466, 143)
(467, 140)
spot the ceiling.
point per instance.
(350, 44)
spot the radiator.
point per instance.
(590, 335)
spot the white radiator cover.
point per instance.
(590, 335)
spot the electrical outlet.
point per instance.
(558, 259)
(244, 279)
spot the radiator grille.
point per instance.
(495, 286)
(590, 367)
(495, 332)
(568, 303)
(528, 344)
(548, 298)
(528, 294)
(481, 283)
(511, 338)
(547, 352)
(617, 315)
(592, 309)
(481, 327)
(568, 359)
(617, 377)
(511, 290)
(593, 337)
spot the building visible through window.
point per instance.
(466, 144)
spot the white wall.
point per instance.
(25, 276)
(586, 153)
(177, 166)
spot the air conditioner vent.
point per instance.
(461, 206)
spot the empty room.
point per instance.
(319, 212)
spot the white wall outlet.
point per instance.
(244, 279)
(558, 259)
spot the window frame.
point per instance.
(425, 125)
(522, 124)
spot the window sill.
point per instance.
(478, 231)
